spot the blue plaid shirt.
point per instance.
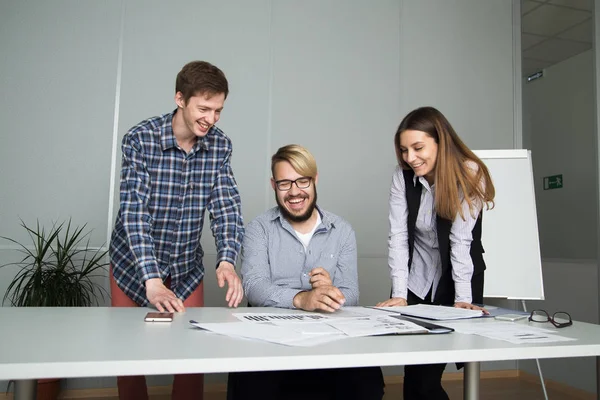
(164, 193)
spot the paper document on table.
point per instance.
(302, 316)
(267, 332)
(303, 322)
(375, 325)
(281, 317)
(510, 332)
(318, 328)
(368, 311)
(352, 312)
(439, 313)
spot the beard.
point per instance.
(302, 217)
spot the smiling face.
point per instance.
(419, 152)
(296, 205)
(200, 113)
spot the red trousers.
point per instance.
(189, 386)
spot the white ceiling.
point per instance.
(554, 30)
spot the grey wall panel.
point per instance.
(560, 109)
(457, 56)
(335, 91)
(57, 78)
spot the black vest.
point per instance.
(445, 290)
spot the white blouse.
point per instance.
(426, 269)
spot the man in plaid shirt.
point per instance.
(174, 167)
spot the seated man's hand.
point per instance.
(319, 277)
(162, 298)
(235, 291)
(323, 298)
(393, 302)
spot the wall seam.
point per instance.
(115, 133)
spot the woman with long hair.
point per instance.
(438, 193)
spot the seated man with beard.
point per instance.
(297, 255)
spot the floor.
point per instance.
(490, 389)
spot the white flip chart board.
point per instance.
(510, 231)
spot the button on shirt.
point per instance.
(275, 265)
(426, 270)
(164, 194)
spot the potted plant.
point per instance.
(59, 269)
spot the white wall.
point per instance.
(336, 76)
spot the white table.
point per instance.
(92, 342)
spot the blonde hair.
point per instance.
(299, 157)
(458, 170)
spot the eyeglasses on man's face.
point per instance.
(285, 184)
(543, 316)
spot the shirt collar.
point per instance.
(168, 139)
(423, 182)
(325, 220)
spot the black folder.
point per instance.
(431, 328)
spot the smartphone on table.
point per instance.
(159, 317)
(511, 317)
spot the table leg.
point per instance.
(598, 378)
(26, 389)
(471, 381)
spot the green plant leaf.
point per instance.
(58, 269)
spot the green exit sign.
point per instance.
(553, 182)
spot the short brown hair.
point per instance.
(200, 78)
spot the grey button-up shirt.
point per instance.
(275, 265)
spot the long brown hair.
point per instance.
(452, 173)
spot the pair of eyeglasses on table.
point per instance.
(556, 318)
